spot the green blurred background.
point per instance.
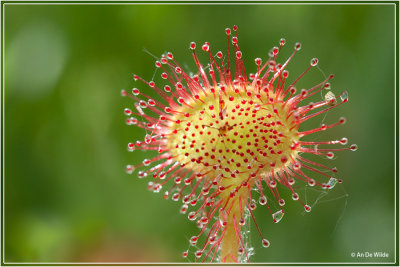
(67, 197)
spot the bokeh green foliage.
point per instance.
(67, 197)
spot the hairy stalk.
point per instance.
(229, 243)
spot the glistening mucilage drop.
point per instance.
(222, 132)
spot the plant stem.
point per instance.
(230, 242)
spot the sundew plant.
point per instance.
(229, 139)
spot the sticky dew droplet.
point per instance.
(183, 209)
(262, 200)
(344, 141)
(307, 208)
(330, 98)
(344, 96)
(223, 217)
(142, 174)
(277, 216)
(265, 243)
(192, 216)
(193, 240)
(314, 62)
(331, 183)
(198, 253)
(212, 239)
(131, 147)
(127, 112)
(184, 254)
(129, 169)
(175, 197)
(157, 188)
(135, 91)
(353, 147)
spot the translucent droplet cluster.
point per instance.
(222, 132)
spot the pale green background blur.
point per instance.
(67, 197)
